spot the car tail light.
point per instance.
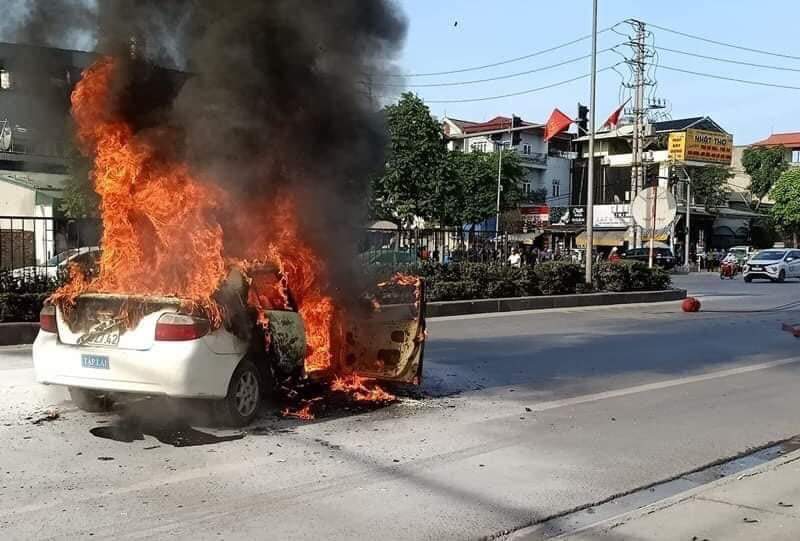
(47, 319)
(177, 327)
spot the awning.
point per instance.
(603, 238)
(383, 224)
(659, 236)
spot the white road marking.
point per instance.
(553, 404)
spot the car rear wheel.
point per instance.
(241, 404)
(89, 400)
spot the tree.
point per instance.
(786, 194)
(79, 200)
(709, 185)
(764, 165)
(473, 180)
(416, 161)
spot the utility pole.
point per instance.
(502, 145)
(590, 180)
(639, 81)
(688, 218)
(499, 189)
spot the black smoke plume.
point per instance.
(266, 95)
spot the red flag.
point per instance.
(557, 123)
(613, 120)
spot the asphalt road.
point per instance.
(523, 416)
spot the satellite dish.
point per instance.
(5, 137)
(654, 209)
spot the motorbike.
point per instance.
(728, 269)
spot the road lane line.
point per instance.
(666, 384)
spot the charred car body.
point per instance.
(101, 345)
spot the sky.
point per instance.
(489, 32)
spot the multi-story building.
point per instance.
(35, 142)
(690, 142)
(547, 164)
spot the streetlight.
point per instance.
(502, 145)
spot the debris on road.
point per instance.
(47, 416)
(105, 458)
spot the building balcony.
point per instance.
(535, 159)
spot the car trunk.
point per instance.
(113, 321)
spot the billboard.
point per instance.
(612, 216)
(701, 146)
(535, 215)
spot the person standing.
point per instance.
(515, 259)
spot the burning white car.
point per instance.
(105, 345)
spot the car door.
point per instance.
(286, 331)
(388, 344)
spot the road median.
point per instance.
(542, 302)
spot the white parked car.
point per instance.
(109, 345)
(55, 264)
(774, 264)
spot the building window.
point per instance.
(796, 156)
(526, 148)
(556, 187)
(5, 80)
(479, 147)
(526, 187)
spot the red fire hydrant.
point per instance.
(690, 304)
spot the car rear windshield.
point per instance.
(770, 255)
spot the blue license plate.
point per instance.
(95, 361)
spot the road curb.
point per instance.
(676, 499)
(13, 334)
(484, 306)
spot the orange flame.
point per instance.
(159, 233)
(304, 413)
(362, 389)
(162, 235)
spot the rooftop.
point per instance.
(497, 123)
(789, 139)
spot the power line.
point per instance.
(730, 61)
(724, 44)
(498, 78)
(722, 77)
(502, 62)
(522, 92)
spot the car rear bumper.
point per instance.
(186, 369)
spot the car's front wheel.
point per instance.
(89, 400)
(781, 276)
(241, 404)
(748, 279)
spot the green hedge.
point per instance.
(629, 276)
(462, 281)
(558, 277)
(22, 295)
(21, 306)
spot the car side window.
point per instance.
(795, 254)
